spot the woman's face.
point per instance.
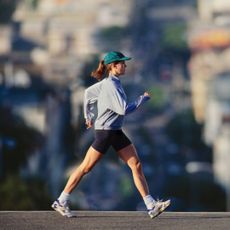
(118, 68)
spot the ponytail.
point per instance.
(100, 71)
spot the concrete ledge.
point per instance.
(50, 220)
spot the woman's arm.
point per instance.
(118, 101)
(131, 107)
(90, 98)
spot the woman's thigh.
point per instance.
(129, 154)
(91, 158)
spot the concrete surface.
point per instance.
(50, 220)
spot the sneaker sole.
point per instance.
(61, 212)
(161, 210)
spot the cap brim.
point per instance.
(125, 58)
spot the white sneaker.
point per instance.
(158, 208)
(63, 209)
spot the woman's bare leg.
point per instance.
(91, 158)
(130, 157)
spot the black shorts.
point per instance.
(106, 138)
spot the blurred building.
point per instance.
(66, 32)
(214, 10)
(222, 157)
(209, 40)
(70, 26)
(210, 44)
(5, 35)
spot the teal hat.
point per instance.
(115, 56)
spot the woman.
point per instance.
(112, 108)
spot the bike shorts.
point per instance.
(106, 138)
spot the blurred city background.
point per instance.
(181, 55)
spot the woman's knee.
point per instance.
(135, 165)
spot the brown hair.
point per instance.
(101, 71)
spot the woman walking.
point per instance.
(110, 99)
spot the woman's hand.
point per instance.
(89, 124)
(146, 94)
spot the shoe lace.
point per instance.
(158, 202)
(66, 205)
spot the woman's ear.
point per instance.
(113, 66)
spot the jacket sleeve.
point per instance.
(90, 99)
(118, 101)
(131, 107)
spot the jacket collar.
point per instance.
(113, 77)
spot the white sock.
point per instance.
(63, 197)
(149, 201)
